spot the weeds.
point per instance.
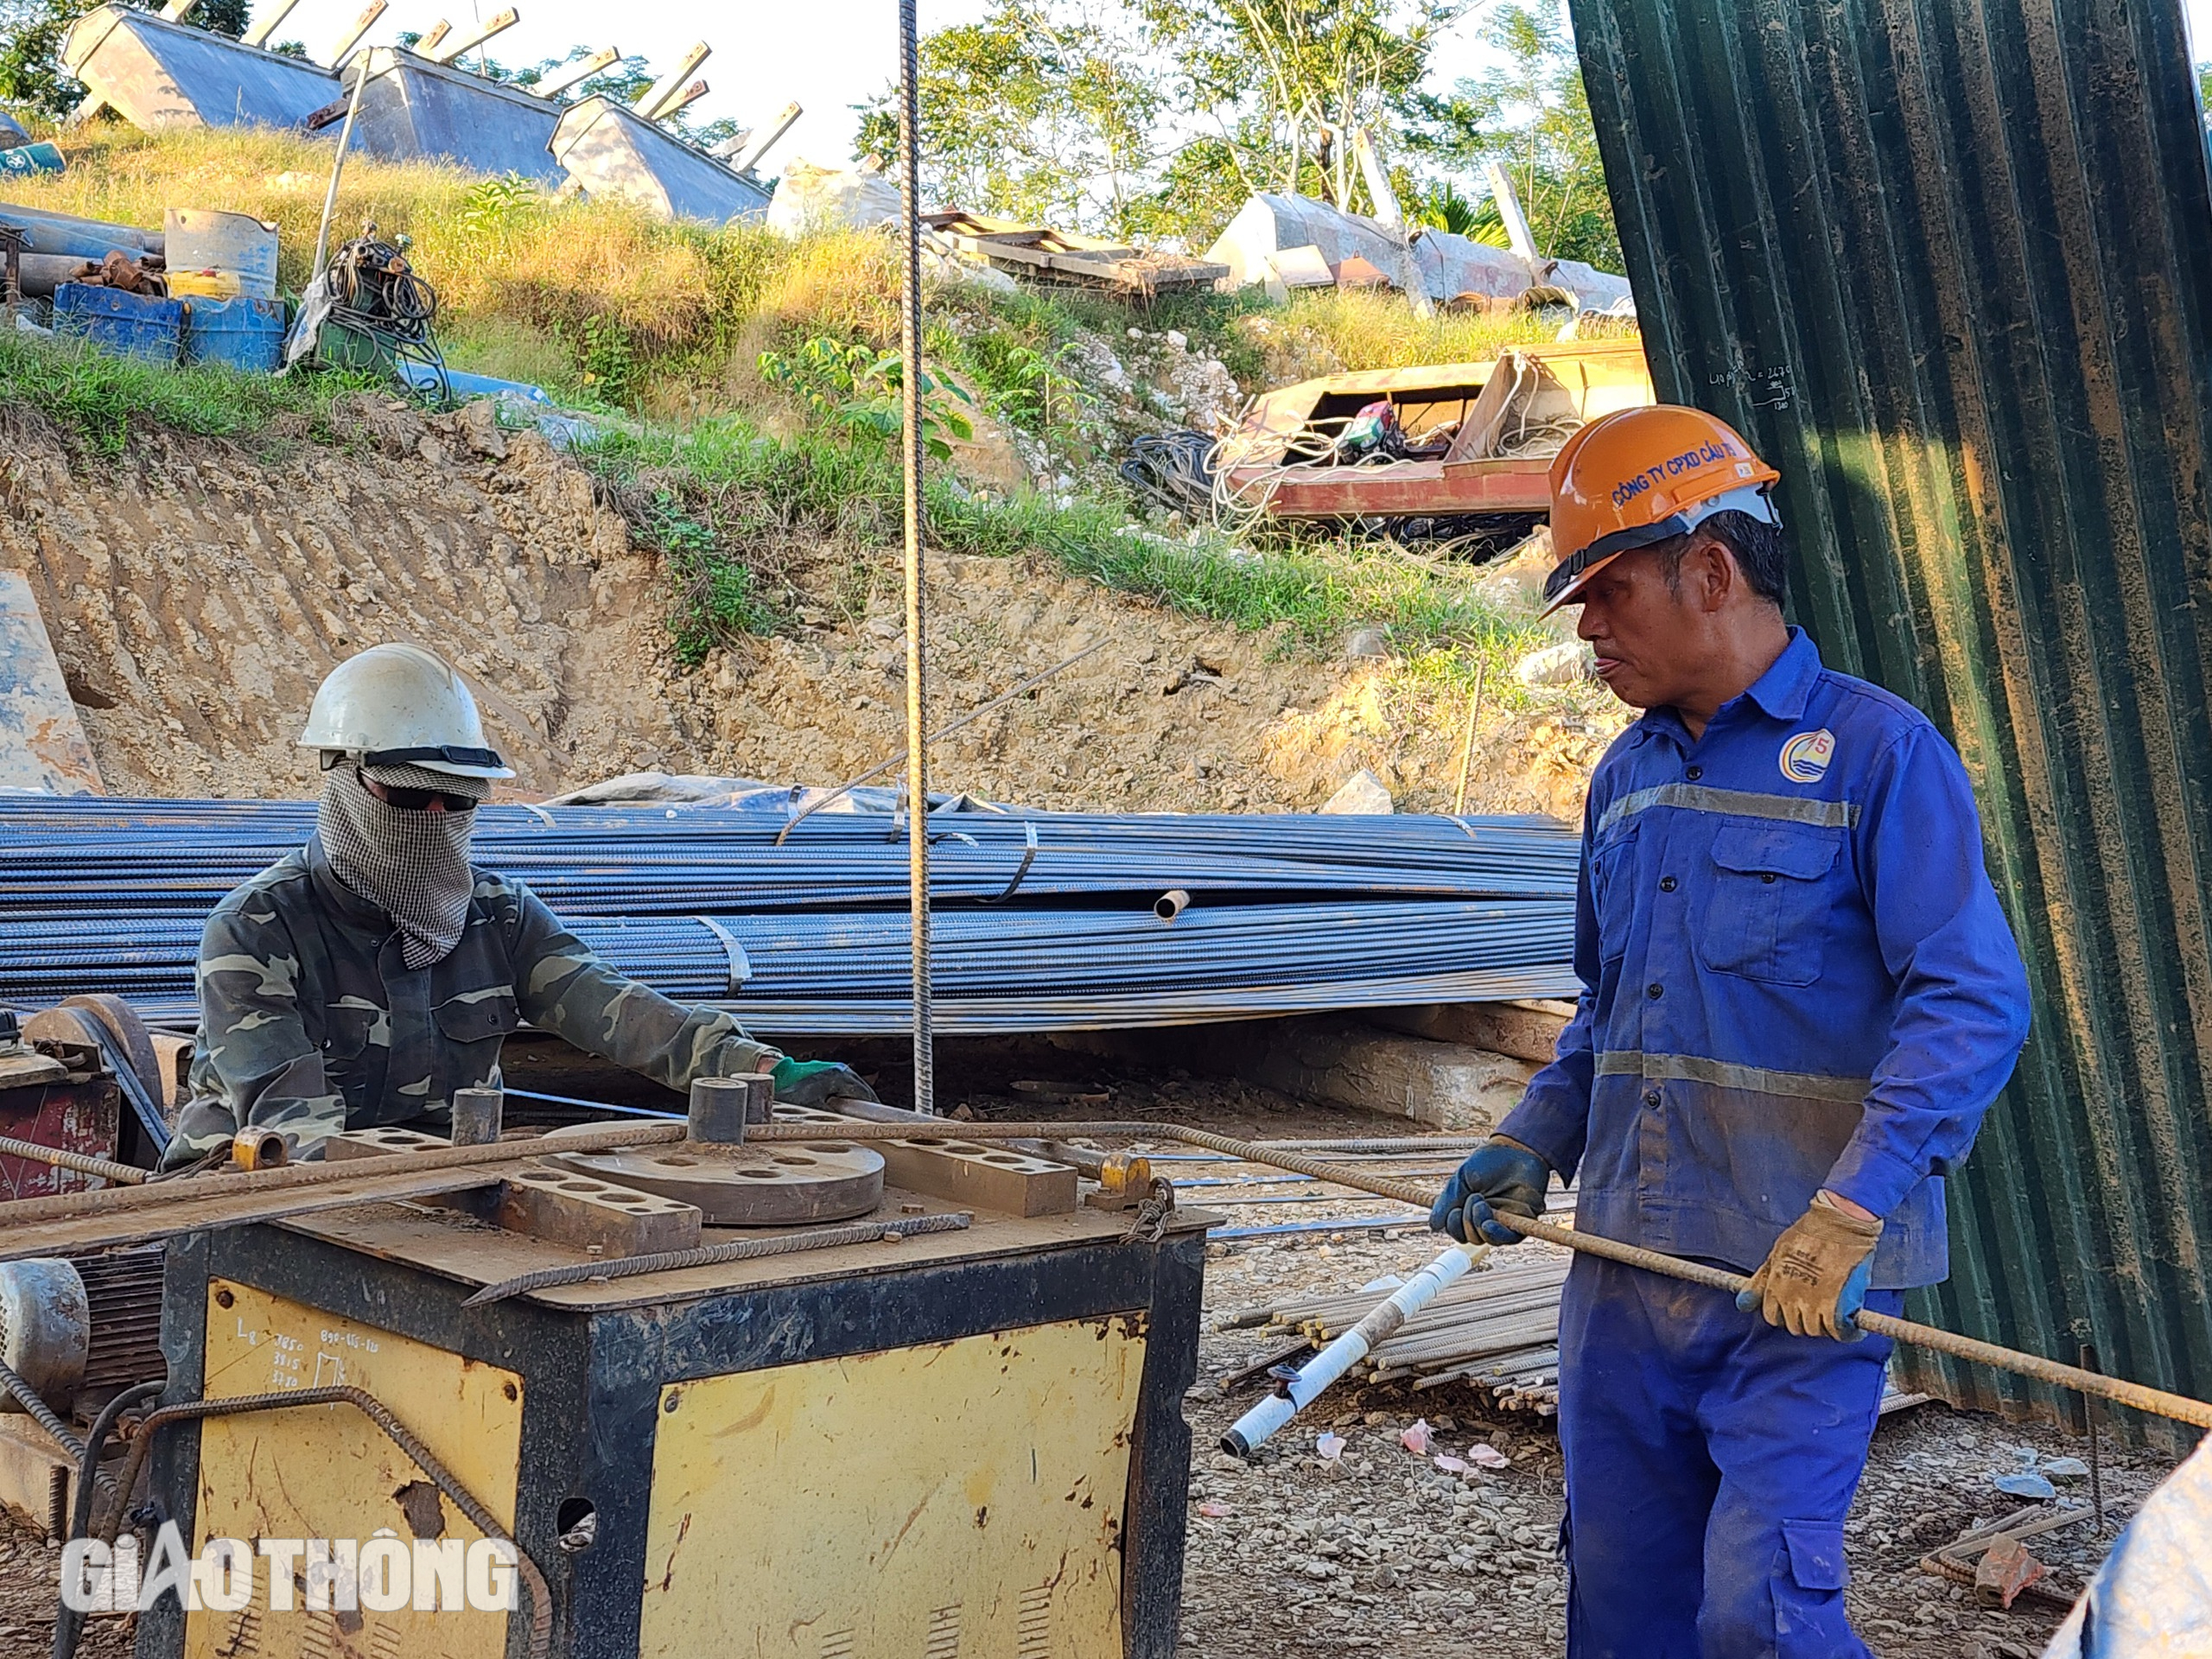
(750, 495)
(101, 398)
(855, 393)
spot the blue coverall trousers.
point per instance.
(1711, 1458)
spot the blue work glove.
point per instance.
(1501, 1177)
(811, 1083)
(1814, 1281)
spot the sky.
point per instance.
(828, 54)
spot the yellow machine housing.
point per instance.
(965, 1446)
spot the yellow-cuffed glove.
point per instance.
(1814, 1281)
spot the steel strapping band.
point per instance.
(1699, 797)
(741, 965)
(1725, 1074)
(543, 817)
(1022, 868)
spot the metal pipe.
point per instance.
(1171, 904)
(338, 161)
(745, 1250)
(1254, 1427)
(910, 402)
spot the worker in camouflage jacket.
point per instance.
(360, 980)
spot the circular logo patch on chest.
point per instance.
(1805, 757)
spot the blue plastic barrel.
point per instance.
(245, 334)
(130, 325)
(32, 158)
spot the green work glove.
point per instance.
(809, 1083)
(1814, 1281)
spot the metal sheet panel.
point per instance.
(323, 1472)
(415, 110)
(1948, 264)
(156, 74)
(613, 152)
(959, 1497)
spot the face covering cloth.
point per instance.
(412, 865)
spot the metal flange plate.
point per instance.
(742, 1185)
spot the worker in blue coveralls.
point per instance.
(1799, 998)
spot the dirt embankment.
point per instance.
(197, 591)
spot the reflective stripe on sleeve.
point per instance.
(1698, 797)
(1725, 1074)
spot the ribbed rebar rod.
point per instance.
(41, 1413)
(83, 1163)
(2157, 1402)
(541, 1601)
(745, 1249)
(910, 399)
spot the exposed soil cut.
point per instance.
(196, 592)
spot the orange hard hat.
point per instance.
(1643, 475)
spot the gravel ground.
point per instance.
(1380, 1552)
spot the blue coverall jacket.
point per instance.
(1796, 975)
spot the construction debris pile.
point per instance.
(1496, 1331)
(1045, 921)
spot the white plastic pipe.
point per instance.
(1256, 1426)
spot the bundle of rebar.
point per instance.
(1042, 921)
(1496, 1330)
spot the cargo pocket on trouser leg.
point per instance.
(1809, 1575)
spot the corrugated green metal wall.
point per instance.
(1949, 266)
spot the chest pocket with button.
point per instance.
(473, 1027)
(1765, 915)
(1612, 891)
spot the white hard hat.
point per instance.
(401, 706)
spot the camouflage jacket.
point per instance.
(310, 1022)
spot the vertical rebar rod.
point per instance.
(2096, 1452)
(910, 397)
(1467, 746)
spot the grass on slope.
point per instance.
(723, 495)
(100, 397)
(604, 304)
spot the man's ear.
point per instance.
(1712, 575)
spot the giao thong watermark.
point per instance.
(382, 1573)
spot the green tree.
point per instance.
(31, 33)
(1531, 116)
(1282, 86)
(1043, 110)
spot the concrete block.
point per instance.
(1524, 1030)
(1445, 1086)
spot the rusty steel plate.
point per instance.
(742, 1185)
